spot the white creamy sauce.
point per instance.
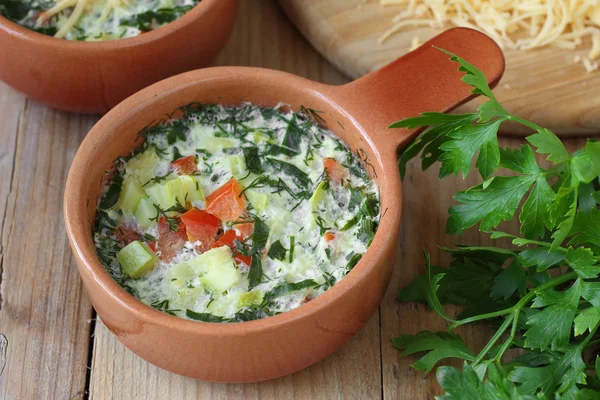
(302, 212)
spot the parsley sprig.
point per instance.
(542, 297)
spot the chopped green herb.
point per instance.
(255, 275)
(112, 195)
(204, 317)
(252, 159)
(277, 251)
(300, 177)
(287, 288)
(292, 246)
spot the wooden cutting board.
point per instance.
(542, 85)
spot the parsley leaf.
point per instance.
(512, 279)
(583, 262)
(439, 345)
(586, 320)
(552, 325)
(464, 141)
(548, 143)
(491, 205)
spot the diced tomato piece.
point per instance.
(185, 165)
(329, 236)
(201, 226)
(227, 239)
(152, 245)
(226, 202)
(170, 242)
(244, 229)
(126, 235)
(335, 171)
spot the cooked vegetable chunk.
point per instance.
(227, 202)
(201, 226)
(136, 259)
(185, 165)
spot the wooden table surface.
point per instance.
(54, 346)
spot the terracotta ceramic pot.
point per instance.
(359, 113)
(93, 77)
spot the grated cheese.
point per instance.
(513, 24)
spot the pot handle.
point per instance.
(422, 80)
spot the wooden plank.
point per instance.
(11, 107)
(44, 311)
(543, 85)
(263, 37)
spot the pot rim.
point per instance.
(89, 263)
(196, 13)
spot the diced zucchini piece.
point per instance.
(136, 259)
(146, 213)
(131, 194)
(159, 195)
(211, 258)
(260, 137)
(214, 144)
(258, 199)
(191, 189)
(225, 304)
(219, 278)
(167, 195)
(180, 274)
(176, 192)
(237, 165)
(254, 297)
(319, 194)
(184, 189)
(142, 166)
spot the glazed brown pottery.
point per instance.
(93, 77)
(359, 113)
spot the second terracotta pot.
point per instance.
(93, 77)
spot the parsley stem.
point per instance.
(493, 340)
(526, 299)
(509, 340)
(522, 121)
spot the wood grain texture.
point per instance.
(11, 107)
(543, 85)
(264, 38)
(44, 310)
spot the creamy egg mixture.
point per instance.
(235, 214)
(94, 20)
